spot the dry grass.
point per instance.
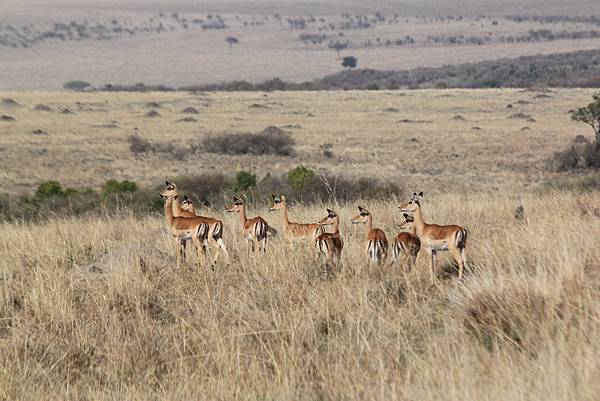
(368, 137)
(94, 309)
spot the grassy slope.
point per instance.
(524, 326)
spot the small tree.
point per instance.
(244, 180)
(232, 41)
(299, 176)
(349, 62)
(590, 115)
(77, 86)
(338, 46)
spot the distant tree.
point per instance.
(349, 62)
(338, 46)
(77, 86)
(232, 41)
(590, 115)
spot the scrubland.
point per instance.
(93, 306)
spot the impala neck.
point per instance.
(177, 210)
(284, 214)
(369, 225)
(243, 217)
(169, 210)
(335, 226)
(419, 225)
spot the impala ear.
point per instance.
(420, 194)
(273, 196)
(167, 183)
(176, 196)
(331, 213)
(185, 197)
(235, 199)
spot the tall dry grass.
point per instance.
(95, 309)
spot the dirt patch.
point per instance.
(7, 118)
(67, 111)
(458, 117)
(38, 132)
(153, 114)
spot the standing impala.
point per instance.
(293, 231)
(407, 243)
(211, 234)
(377, 243)
(330, 244)
(435, 238)
(255, 230)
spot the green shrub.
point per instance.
(113, 186)
(244, 180)
(300, 176)
(50, 188)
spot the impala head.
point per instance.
(237, 206)
(170, 191)
(409, 221)
(362, 217)
(413, 203)
(278, 202)
(329, 219)
(187, 204)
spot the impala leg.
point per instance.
(223, 248)
(456, 255)
(433, 255)
(199, 248)
(178, 251)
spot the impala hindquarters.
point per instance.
(330, 245)
(377, 243)
(255, 230)
(407, 243)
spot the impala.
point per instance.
(211, 234)
(377, 243)
(291, 230)
(330, 244)
(407, 243)
(188, 205)
(255, 230)
(435, 238)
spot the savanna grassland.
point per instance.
(440, 140)
(93, 307)
(179, 43)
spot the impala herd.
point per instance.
(186, 225)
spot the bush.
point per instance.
(271, 141)
(300, 176)
(139, 145)
(49, 189)
(113, 186)
(244, 181)
(77, 86)
(577, 156)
